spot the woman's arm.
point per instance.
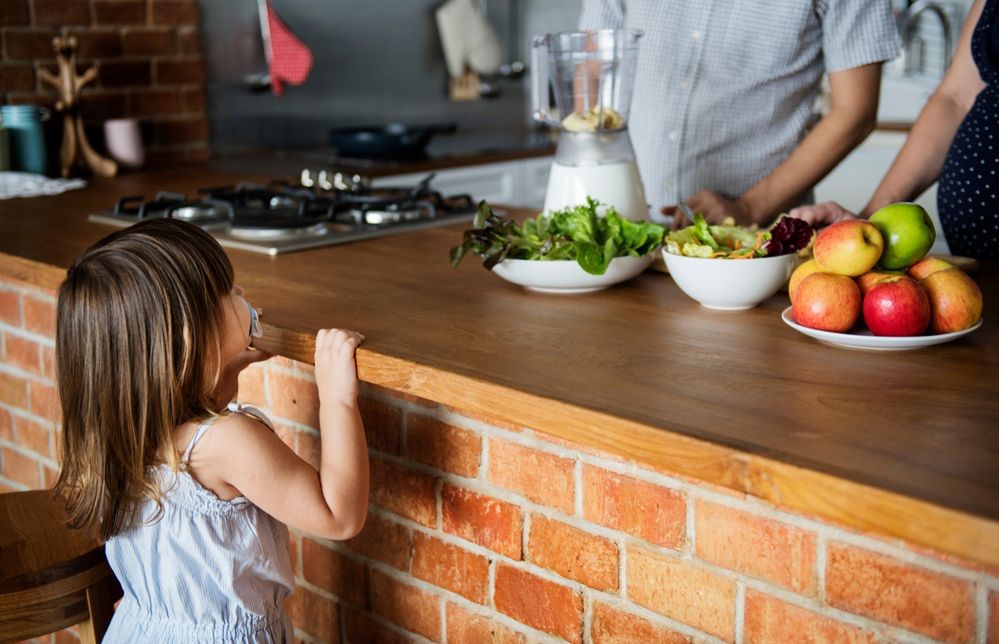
(918, 164)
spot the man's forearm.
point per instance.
(834, 137)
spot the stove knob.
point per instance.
(324, 180)
(306, 178)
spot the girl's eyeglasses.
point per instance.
(256, 331)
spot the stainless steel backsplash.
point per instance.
(375, 61)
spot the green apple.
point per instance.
(908, 233)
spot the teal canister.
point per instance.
(26, 135)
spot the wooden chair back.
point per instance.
(51, 576)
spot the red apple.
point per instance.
(926, 267)
(870, 278)
(827, 301)
(896, 305)
(955, 300)
(800, 273)
(849, 247)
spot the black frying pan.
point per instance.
(395, 140)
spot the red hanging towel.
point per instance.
(290, 59)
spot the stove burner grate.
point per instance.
(280, 216)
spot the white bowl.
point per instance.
(730, 284)
(566, 276)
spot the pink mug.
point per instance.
(124, 142)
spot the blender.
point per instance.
(593, 76)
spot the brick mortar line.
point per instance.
(291, 371)
(740, 613)
(302, 582)
(578, 488)
(25, 375)
(17, 485)
(820, 567)
(305, 637)
(23, 451)
(982, 612)
(485, 458)
(20, 412)
(21, 332)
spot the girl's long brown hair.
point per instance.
(138, 332)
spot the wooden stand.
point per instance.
(75, 151)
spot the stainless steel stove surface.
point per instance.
(282, 217)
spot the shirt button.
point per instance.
(674, 135)
(670, 185)
(684, 84)
(697, 35)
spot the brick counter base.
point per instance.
(479, 532)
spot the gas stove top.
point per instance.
(280, 217)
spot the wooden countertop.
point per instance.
(904, 444)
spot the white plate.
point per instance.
(566, 276)
(866, 340)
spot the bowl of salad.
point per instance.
(732, 268)
(574, 250)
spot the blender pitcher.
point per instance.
(593, 76)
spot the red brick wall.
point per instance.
(480, 532)
(150, 57)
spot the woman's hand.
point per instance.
(822, 214)
(336, 369)
(714, 207)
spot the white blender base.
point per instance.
(614, 184)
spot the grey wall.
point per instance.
(375, 61)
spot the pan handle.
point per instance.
(423, 186)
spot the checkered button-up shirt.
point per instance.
(725, 89)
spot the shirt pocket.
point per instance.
(768, 38)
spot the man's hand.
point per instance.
(821, 214)
(714, 207)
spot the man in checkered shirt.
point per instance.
(724, 109)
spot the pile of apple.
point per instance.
(877, 269)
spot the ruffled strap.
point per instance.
(250, 410)
(198, 433)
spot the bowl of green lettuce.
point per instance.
(573, 250)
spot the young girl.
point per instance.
(192, 496)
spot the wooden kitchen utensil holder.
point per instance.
(75, 150)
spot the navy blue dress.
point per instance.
(968, 194)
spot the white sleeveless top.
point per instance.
(207, 570)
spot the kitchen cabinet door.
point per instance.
(514, 183)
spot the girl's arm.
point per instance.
(240, 455)
(918, 164)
